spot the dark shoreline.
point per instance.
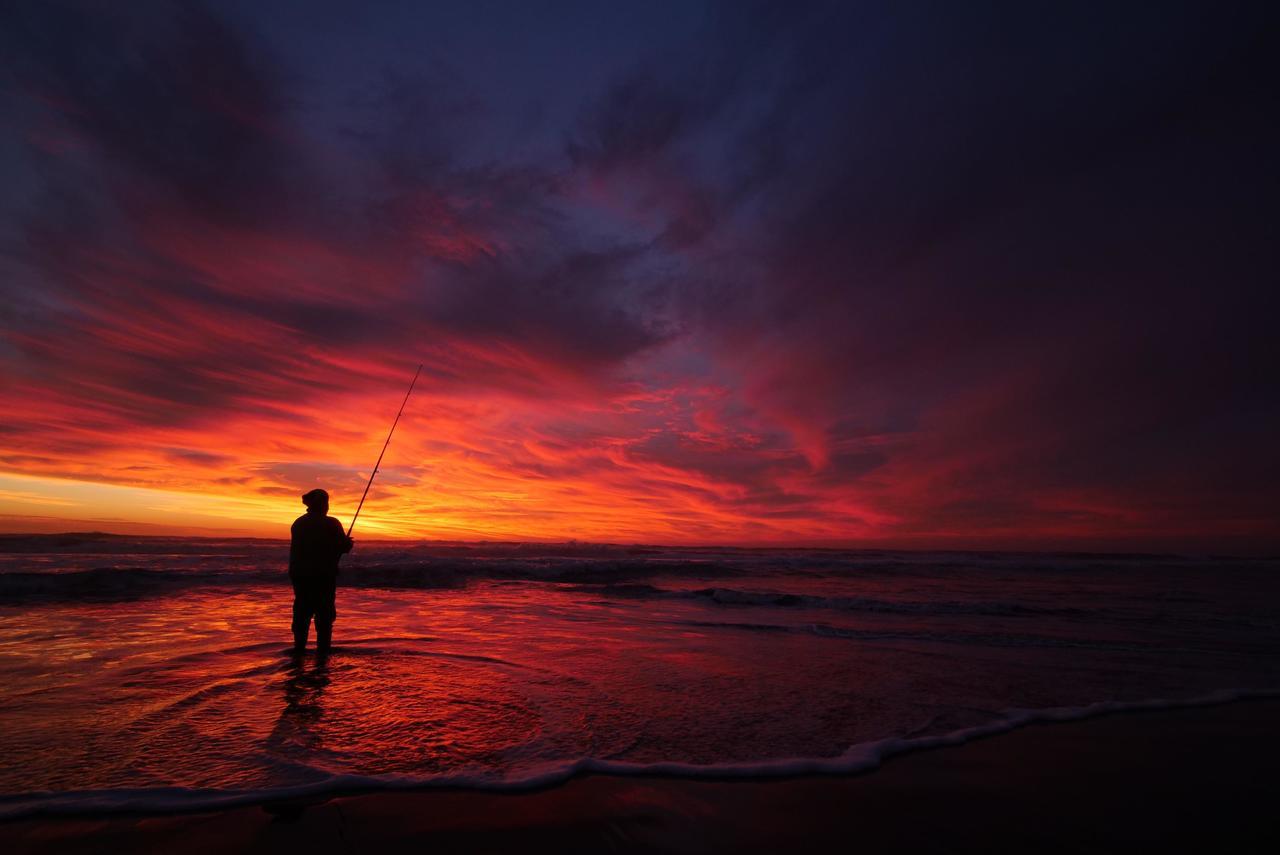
(1181, 780)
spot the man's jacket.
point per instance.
(317, 543)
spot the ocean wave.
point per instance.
(116, 582)
(75, 567)
(802, 561)
(857, 759)
(985, 639)
(734, 597)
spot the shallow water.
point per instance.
(156, 671)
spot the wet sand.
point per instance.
(1186, 780)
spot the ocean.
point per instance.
(154, 673)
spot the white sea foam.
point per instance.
(858, 759)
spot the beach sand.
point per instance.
(1202, 779)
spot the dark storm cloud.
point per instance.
(169, 98)
(944, 197)
(194, 203)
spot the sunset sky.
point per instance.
(927, 275)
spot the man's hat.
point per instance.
(315, 497)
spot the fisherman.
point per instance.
(317, 543)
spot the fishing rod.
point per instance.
(384, 449)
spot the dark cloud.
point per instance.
(198, 204)
(943, 198)
(168, 99)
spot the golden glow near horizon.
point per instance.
(48, 504)
(577, 464)
(35, 504)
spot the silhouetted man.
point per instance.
(317, 543)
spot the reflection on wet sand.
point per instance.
(299, 724)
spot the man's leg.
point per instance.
(324, 638)
(326, 613)
(303, 607)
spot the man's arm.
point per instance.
(293, 545)
(343, 543)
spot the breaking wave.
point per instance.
(734, 597)
(857, 759)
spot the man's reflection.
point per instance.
(298, 725)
